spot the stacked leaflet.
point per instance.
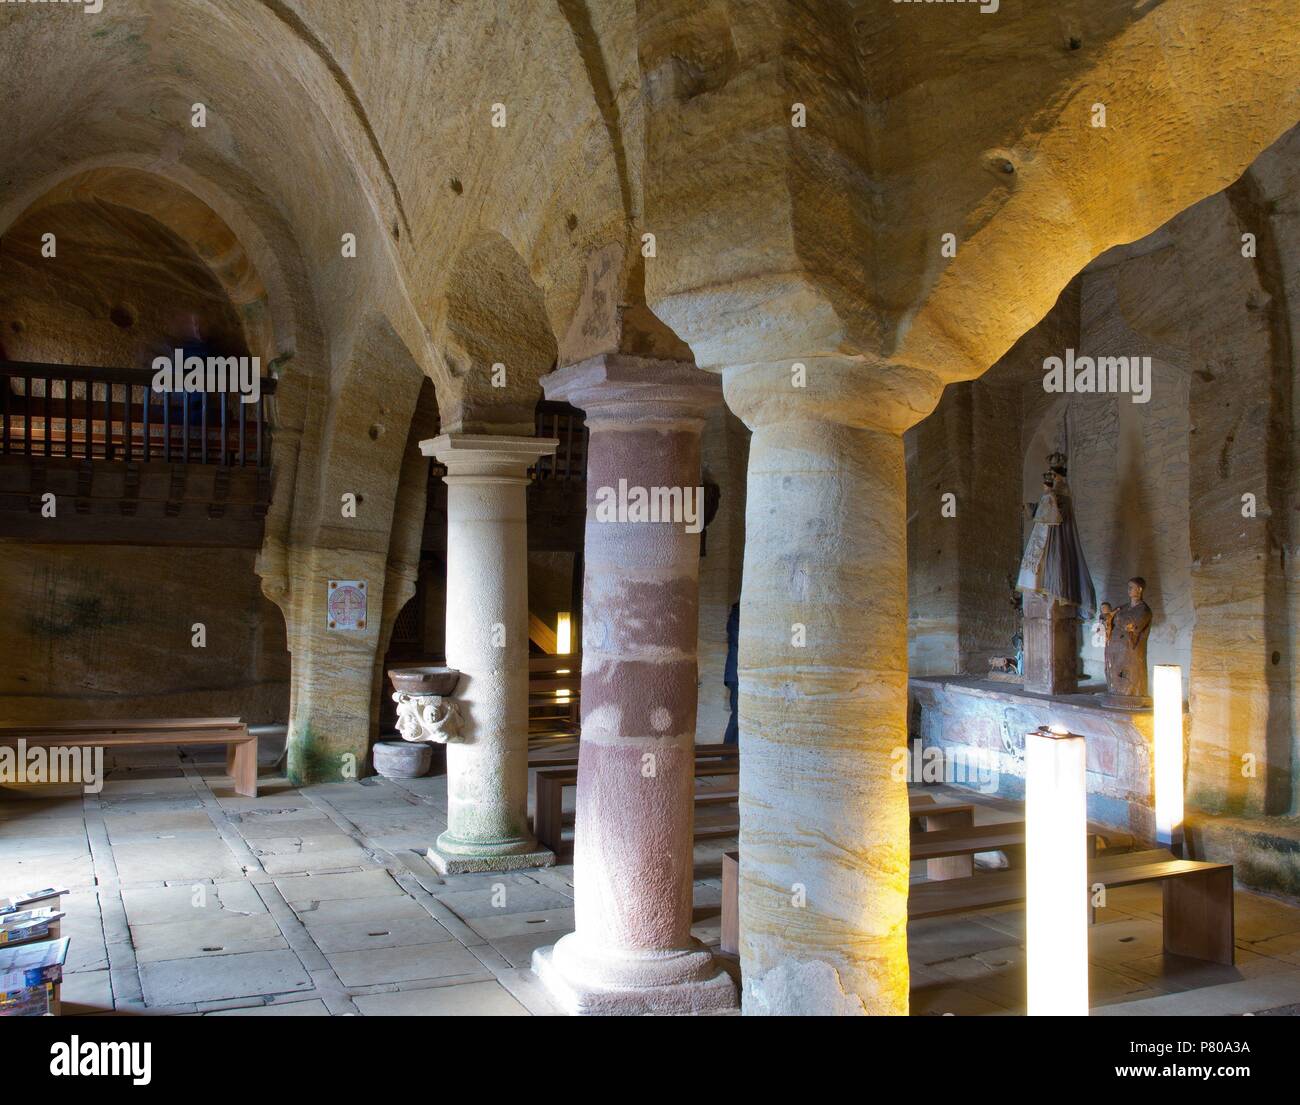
(28, 975)
(29, 924)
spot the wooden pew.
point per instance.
(730, 903)
(569, 758)
(554, 695)
(549, 819)
(926, 814)
(1198, 903)
(1198, 916)
(241, 745)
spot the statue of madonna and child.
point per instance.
(1057, 591)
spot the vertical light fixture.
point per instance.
(1168, 688)
(1056, 872)
(563, 646)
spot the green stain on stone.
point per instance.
(311, 760)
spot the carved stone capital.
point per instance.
(427, 717)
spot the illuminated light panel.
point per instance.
(1167, 686)
(1056, 873)
(563, 634)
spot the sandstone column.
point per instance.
(487, 641)
(632, 951)
(823, 689)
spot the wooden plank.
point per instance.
(548, 819)
(241, 766)
(136, 724)
(1199, 919)
(117, 738)
(1005, 888)
(731, 903)
(241, 750)
(541, 634)
(703, 752)
(936, 819)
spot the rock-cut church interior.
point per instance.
(682, 507)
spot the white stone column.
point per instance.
(487, 641)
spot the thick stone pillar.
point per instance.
(487, 641)
(331, 702)
(823, 691)
(632, 951)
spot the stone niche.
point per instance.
(966, 716)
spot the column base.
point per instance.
(675, 983)
(450, 856)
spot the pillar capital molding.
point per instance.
(614, 386)
(859, 392)
(489, 457)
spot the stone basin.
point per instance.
(424, 680)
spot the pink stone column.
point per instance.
(632, 951)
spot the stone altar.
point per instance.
(964, 713)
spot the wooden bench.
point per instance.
(1198, 919)
(930, 817)
(540, 757)
(550, 820)
(1198, 903)
(241, 745)
(554, 695)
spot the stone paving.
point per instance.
(316, 901)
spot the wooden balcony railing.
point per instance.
(80, 412)
(569, 464)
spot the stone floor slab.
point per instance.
(500, 926)
(502, 899)
(468, 999)
(297, 889)
(164, 904)
(85, 992)
(381, 909)
(178, 981)
(1228, 1000)
(175, 859)
(311, 1008)
(388, 933)
(126, 827)
(405, 964)
(206, 936)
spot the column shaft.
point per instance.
(632, 950)
(487, 641)
(823, 695)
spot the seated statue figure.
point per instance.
(1126, 645)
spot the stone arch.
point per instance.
(494, 314)
(255, 275)
(1184, 80)
(359, 511)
